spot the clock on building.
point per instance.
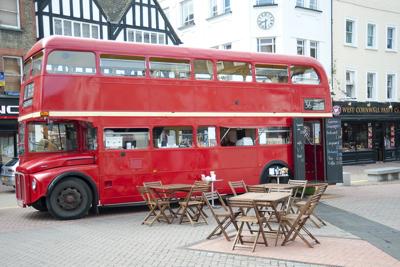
(265, 20)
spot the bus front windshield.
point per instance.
(52, 137)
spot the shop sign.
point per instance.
(336, 110)
(2, 79)
(349, 108)
(9, 107)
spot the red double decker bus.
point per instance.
(97, 118)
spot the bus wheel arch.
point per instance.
(264, 172)
(71, 195)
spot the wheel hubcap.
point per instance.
(69, 199)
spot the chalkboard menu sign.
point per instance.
(298, 149)
(333, 151)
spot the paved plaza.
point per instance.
(365, 213)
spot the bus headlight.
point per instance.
(33, 184)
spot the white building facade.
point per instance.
(366, 78)
(274, 26)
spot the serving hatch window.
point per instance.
(271, 73)
(304, 75)
(169, 68)
(237, 136)
(173, 136)
(234, 71)
(274, 135)
(123, 66)
(203, 69)
(52, 137)
(126, 138)
(71, 62)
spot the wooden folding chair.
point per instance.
(238, 187)
(222, 216)
(162, 194)
(315, 219)
(157, 206)
(257, 218)
(191, 208)
(293, 224)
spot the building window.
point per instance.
(371, 35)
(391, 38)
(76, 28)
(356, 136)
(266, 45)
(227, 46)
(187, 13)
(265, 2)
(311, 4)
(350, 32)
(314, 49)
(390, 136)
(218, 7)
(9, 14)
(390, 86)
(300, 47)
(350, 83)
(300, 3)
(371, 85)
(137, 36)
(12, 67)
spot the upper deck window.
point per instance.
(122, 66)
(37, 64)
(271, 73)
(234, 71)
(203, 69)
(169, 68)
(71, 62)
(304, 75)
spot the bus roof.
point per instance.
(127, 48)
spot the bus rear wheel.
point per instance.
(70, 199)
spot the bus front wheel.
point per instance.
(70, 199)
(40, 205)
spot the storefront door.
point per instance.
(378, 141)
(314, 156)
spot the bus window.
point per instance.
(167, 137)
(206, 136)
(71, 62)
(122, 66)
(126, 138)
(271, 74)
(52, 137)
(237, 136)
(91, 137)
(27, 69)
(37, 64)
(234, 71)
(169, 68)
(274, 135)
(304, 75)
(203, 69)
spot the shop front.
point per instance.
(370, 131)
(8, 128)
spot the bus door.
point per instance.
(125, 163)
(313, 150)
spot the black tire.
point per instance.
(70, 199)
(40, 205)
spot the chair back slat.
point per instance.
(209, 196)
(301, 189)
(256, 189)
(238, 187)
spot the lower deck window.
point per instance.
(52, 137)
(126, 138)
(274, 135)
(172, 136)
(206, 136)
(237, 136)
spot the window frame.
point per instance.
(17, 13)
(116, 57)
(95, 67)
(374, 45)
(354, 82)
(176, 146)
(122, 148)
(21, 72)
(303, 46)
(394, 86)
(259, 45)
(394, 38)
(187, 6)
(310, 47)
(375, 85)
(73, 22)
(353, 32)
